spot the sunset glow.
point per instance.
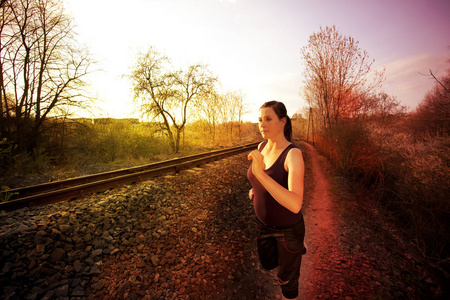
(254, 46)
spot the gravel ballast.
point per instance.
(187, 236)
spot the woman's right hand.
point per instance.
(250, 194)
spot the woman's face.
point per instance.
(270, 125)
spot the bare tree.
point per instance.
(208, 109)
(224, 112)
(337, 74)
(240, 109)
(382, 109)
(166, 94)
(196, 82)
(228, 112)
(432, 115)
(41, 67)
(225, 109)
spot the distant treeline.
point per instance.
(106, 140)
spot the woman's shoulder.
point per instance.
(294, 152)
(294, 159)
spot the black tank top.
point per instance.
(267, 209)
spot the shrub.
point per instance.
(352, 152)
(26, 163)
(410, 179)
(415, 188)
(6, 154)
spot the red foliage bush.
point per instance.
(408, 178)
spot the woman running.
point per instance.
(276, 175)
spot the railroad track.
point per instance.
(73, 188)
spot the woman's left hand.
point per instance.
(258, 165)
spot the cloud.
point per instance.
(407, 78)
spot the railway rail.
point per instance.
(73, 188)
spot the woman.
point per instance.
(276, 175)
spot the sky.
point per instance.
(254, 45)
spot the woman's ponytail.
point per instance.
(288, 129)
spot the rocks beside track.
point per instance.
(187, 236)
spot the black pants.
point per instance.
(282, 247)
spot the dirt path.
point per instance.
(353, 252)
(321, 229)
(330, 268)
